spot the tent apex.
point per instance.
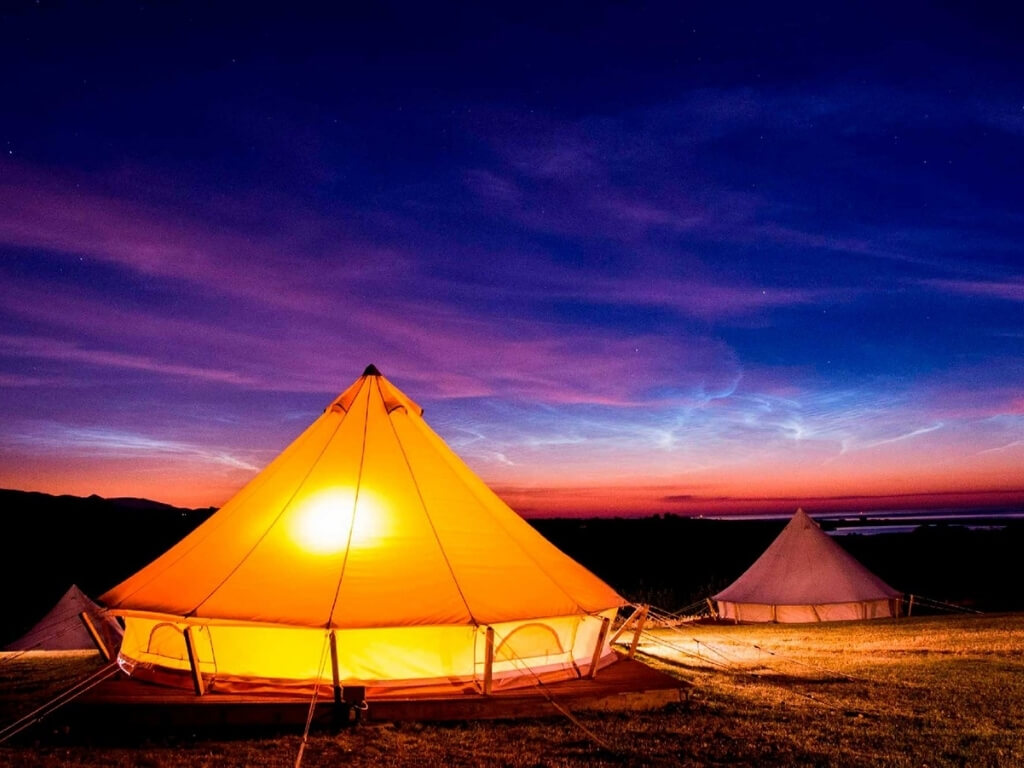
(371, 370)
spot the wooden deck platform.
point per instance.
(624, 685)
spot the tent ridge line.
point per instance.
(430, 520)
(355, 507)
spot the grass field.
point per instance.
(919, 692)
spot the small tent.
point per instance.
(805, 576)
(366, 554)
(64, 629)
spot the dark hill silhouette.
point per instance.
(50, 542)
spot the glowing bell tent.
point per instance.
(366, 554)
(805, 576)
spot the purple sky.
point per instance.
(644, 258)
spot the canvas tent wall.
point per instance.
(805, 576)
(62, 628)
(367, 551)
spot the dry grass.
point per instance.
(916, 692)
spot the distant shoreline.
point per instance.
(922, 515)
(895, 521)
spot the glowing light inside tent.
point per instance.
(321, 525)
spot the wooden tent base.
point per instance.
(626, 684)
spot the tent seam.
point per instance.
(258, 482)
(523, 549)
(430, 520)
(274, 522)
(352, 521)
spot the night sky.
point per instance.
(631, 258)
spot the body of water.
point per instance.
(897, 521)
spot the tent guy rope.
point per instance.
(58, 701)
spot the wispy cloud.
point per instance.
(52, 349)
(1001, 448)
(69, 441)
(868, 445)
(38, 211)
(1008, 290)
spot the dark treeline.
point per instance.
(50, 542)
